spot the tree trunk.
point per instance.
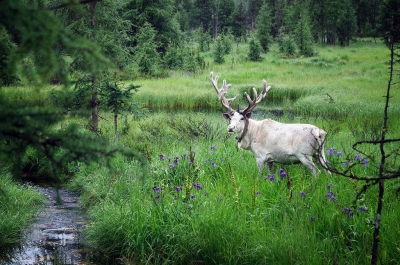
(375, 249)
(215, 29)
(116, 124)
(278, 17)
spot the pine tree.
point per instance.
(346, 23)
(303, 37)
(287, 45)
(146, 53)
(219, 51)
(254, 51)
(31, 124)
(263, 26)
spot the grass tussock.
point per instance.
(19, 204)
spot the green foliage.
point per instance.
(254, 54)
(146, 53)
(160, 15)
(347, 23)
(6, 49)
(19, 204)
(287, 45)
(208, 202)
(219, 51)
(303, 37)
(183, 58)
(389, 19)
(264, 25)
(203, 39)
(227, 42)
(38, 33)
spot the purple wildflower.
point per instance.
(156, 188)
(357, 157)
(345, 163)
(282, 173)
(351, 214)
(312, 219)
(258, 192)
(162, 157)
(364, 161)
(303, 193)
(213, 147)
(197, 186)
(192, 196)
(330, 196)
(331, 151)
(213, 164)
(171, 166)
(190, 163)
(271, 177)
(175, 198)
(177, 188)
(362, 208)
(339, 153)
(184, 156)
(346, 209)
(329, 186)
(176, 160)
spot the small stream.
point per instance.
(55, 237)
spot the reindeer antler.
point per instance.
(226, 102)
(257, 99)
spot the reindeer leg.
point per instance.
(270, 166)
(306, 160)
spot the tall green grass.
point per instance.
(344, 82)
(214, 207)
(219, 210)
(18, 205)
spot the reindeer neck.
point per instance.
(244, 132)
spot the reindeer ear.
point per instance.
(226, 116)
(248, 115)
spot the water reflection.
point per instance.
(55, 237)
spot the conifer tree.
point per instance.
(146, 53)
(219, 51)
(35, 123)
(254, 51)
(263, 27)
(303, 37)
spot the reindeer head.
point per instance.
(238, 119)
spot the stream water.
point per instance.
(55, 237)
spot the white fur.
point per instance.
(271, 141)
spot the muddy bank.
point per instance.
(55, 237)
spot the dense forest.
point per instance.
(151, 34)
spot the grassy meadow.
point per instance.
(200, 200)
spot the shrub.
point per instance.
(254, 51)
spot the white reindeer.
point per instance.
(271, 141)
